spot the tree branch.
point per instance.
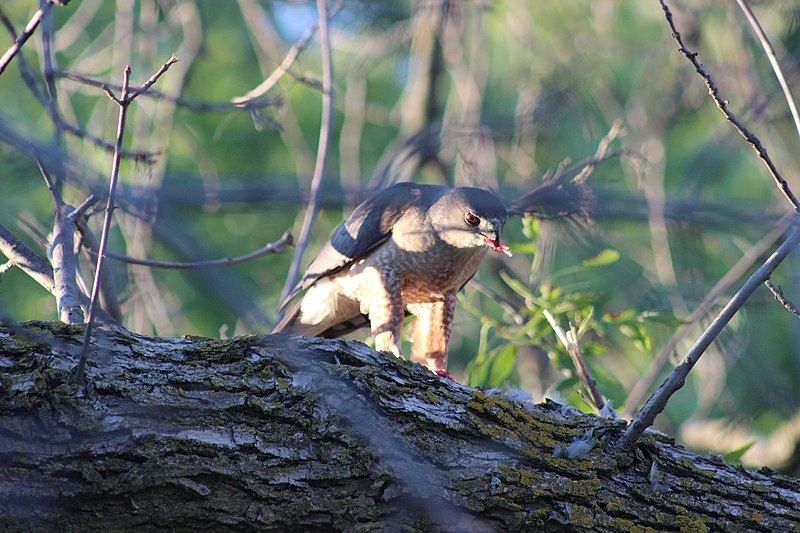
(326, 125)
(570, 342)
(33, 23)
(778, 294)
(271, 248)
(677, 378)
(124, 100)
(722, 104)
(642, 387)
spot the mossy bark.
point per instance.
(287, 433)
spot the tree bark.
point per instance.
(288, 433)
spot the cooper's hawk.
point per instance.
(407, 250)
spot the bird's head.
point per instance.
(466, 217)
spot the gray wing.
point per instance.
(367, 227)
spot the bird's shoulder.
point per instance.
(367, 227)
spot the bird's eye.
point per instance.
(472, 219)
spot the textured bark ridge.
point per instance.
(280, 432)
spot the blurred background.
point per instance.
(494, 93)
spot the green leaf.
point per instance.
(604, 258)
(502, 365)
(516, 285)
(477, 375)
(524, 248)
(735, 456)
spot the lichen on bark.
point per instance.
(282, 432)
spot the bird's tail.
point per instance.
(556, 198)
(287, 321)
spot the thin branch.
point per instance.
(277, 74)
(675, 381)
(773, 60)
(51, 187)
(722, 104)
(326, 125)
(124, 101)
(108, 293)
(27, 260)
(271, 248)
(602, 149)
(33, 23)
(640, 390)
(570, 341)
(59, 121)
(79, 211)
(5, 267)
(778, 294)
(154, 78)
(189, 103)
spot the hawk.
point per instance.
(407, 250)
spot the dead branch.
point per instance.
(637, 394)
(33, 23)
(570, 342)
(778, 294)
(181, 101)
(271, 248)
(124, 100)
(326, 125)
(677, 378)
(722, 104)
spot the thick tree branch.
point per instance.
(284, 432)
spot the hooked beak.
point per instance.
(493, 239)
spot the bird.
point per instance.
(405, 251)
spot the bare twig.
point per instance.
(278, 73)
(124, 100)
(271, 248)
(640, 390)
(154, 78)
(773, 60)
(33, 23)
(778, 294)
(570, 341)
(60, 122)
(722, 104)
(602, 149)
(189, 103)
(677, 378)
(5, 267)
(326, 124)
(108, 294)
(27, 260)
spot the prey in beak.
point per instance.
(497, 246)
(494, 243)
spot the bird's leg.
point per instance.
(432, 331)
(386, 314)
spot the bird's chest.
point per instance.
(427, 274)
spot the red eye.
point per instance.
(472, 219)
